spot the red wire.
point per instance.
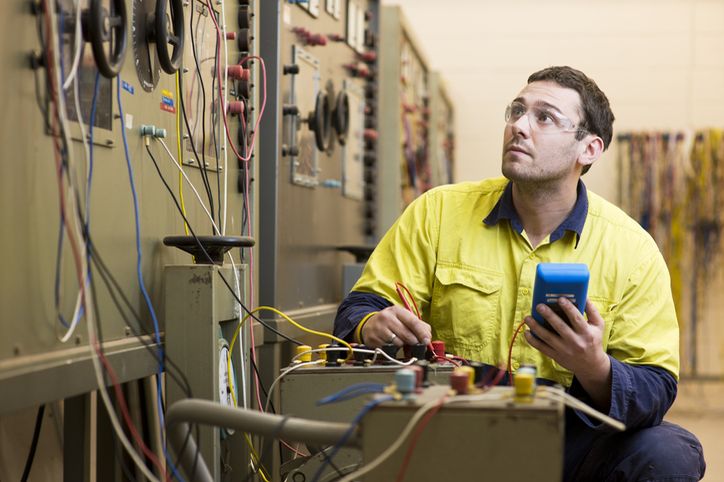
(221, 91)
(126, 416)
(399, 287)
(510, 352)
(415, 437)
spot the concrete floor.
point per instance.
(699, 408)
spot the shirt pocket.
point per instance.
(466, 304)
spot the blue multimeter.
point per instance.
(556, 280)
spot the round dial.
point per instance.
(225, 381)
(145, 56)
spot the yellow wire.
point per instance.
(255, 456)
(178, 149)
(283, 315)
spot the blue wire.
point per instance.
(352, 391)
(146, 297)
(368, 406)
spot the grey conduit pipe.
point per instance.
(205, 412)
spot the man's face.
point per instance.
(533, 152)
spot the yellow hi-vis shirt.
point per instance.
(473, 282)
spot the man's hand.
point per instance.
(395, 325)
(577, 347)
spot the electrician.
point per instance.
(468, 254)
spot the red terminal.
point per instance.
(409, 108)
(419, 374)
(230, 35)
(335, 37)
(438, 348)
(238, 72)
(317, 39)
(301, 31)
(373, 135)
(368, 57)
(459, 382)
(235, 107)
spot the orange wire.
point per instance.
(510, 352)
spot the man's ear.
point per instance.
(592, 151)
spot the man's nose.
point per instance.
(521, 126)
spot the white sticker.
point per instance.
(287, 14)
(129, 121)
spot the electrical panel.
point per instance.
(403, 168)
(318, 128)
(94, 85)
(442, 131)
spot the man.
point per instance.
(468, 254)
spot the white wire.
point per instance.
(283, 374)
(183, 173)
(77, 312)
(222, 104)
(75, 223)
(78, 48)
(376, 352)
(577, 404)
(395, 445)
(231, 258)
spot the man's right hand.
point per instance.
(395, 325)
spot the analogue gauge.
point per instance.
(145, 56)
(226, 382)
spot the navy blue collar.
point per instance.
(504, 209)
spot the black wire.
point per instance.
(202, 160)
(210, 261)
(112, 284)
(202, 166)
(213, 122)
(34, 443)
(171, 366)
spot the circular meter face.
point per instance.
(225, 397)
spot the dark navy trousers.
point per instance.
(664, 452)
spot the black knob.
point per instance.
(292, 69)
(390, 349)
(292, 151)
(332, 355)
(479, 371)
(418, 350)
(289, 109)
(369, 192)
(370, 176)
(243, 89)
(243, 39)
(244, 17)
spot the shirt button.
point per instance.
(525, 291)
(515, 365)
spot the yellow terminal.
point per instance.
(524, 384)
(304, 357)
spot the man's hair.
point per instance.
(597, 116)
